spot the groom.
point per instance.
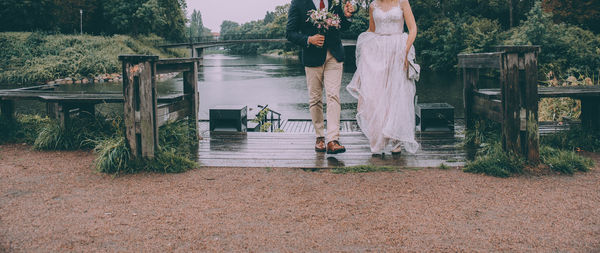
(322, 56)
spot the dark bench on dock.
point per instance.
(515, 103)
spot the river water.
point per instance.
(260, 80)
(281, 83)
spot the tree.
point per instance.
(173, 12)
(196, 25)
(584, 13)
(148, 18)
(228, 26)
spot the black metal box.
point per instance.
(229, 118)
(434, 117)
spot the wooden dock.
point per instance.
(294, 148)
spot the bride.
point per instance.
(385, 93)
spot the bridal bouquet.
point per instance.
(324, 20)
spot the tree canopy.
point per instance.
(165, 18)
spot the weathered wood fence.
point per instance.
(142, 114)
(144, 110)
(515, 104)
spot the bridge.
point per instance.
(197, 46)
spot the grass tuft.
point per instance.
(443, 166)
(23, 128)
(364, 169)
(82, 132)
(495, 162)
(576, 138)
(113, 156)
(566, 162)
(178, 145)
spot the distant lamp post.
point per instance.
(80, 21)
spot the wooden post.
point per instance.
(470, 79)
(520, 131)
(52, 110)
(139, 91)
(7, 110)
(190, 87)
(590, 113)
(63, 114)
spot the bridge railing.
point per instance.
(232, 36)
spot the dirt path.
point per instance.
(54, 201)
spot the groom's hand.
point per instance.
(317, 40)
(348, 9)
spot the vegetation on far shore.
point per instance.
(28, 58)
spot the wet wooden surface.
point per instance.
(545, 92)
(295, 148)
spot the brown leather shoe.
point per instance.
(320, 146)
(334, 147)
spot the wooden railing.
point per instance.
(517, 107)
(142, 114)
(515, 103)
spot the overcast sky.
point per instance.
(240, 11)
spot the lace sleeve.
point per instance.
(374, 4)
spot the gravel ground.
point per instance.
(55, 201)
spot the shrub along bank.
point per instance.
(30, 58)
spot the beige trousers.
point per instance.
(329, 76)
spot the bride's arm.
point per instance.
(371, 22)
(410, 23)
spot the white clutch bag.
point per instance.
(414, 70)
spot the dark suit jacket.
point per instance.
(298, 30)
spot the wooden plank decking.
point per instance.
(548, 92)
(295, 148)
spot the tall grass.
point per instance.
(81, 133)
(22, 129)
(563, 161)
(364, 169)
(556, 151)
(178, 147)
(27, 58)
(576, 138)
(493, 161)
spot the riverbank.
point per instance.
(37, 58)
(282, 54)
(55, 201)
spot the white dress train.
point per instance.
(385, 95)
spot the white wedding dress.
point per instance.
(386, 113)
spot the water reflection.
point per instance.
(278, 82)
(281, 83)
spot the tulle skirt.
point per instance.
(386, 113)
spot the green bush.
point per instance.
(23, 129)
(576, 138)
(113, 155)
(492, 160)
(179, 138)
(566, 49)
(485, 131)
(495, 162)
(178, 144)
(27, 58)
(81, 133)
(566, 162)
